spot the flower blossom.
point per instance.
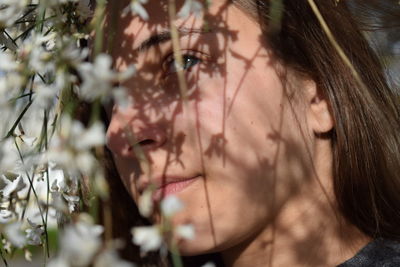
(6, 216)
(190, 7)
(99, 78)
(84, 10)
(79, 243)
(70, 148)
(11, 11)
(185, 231)
(145, 204)
(15, 235)
(11, 187)
(136, 7)
(110, 257)
(171, 205)
(209, 264)
(149, 238)
(34, 234)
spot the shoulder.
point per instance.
(380, 252)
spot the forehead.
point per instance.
(131, 31)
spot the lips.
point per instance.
(172, 186)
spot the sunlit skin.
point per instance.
(250, 135)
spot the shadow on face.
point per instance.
(235, 149)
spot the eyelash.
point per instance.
(189, 60)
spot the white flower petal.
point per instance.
(80, 242)
(15, 186)
(34, 236)
(209, 264)
(138, 9)
(185, 231)
(93, 136)
(147, 237)
(28, 255)
(6, 216)
(171, 205)
(190, 7)
(146, 203)
(121, 98)
(58, 262)
(15, 235)
(110, 258)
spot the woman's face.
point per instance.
(237, 149)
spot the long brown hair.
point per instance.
(365, 139)
(366, 136)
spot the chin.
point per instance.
(196, 247)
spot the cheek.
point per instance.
(253, 155)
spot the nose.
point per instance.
(128, 129)
(149, 137)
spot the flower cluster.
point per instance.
(48, 157)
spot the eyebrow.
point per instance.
(165, 36)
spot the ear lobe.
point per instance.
(320, 117)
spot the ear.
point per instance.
(320, 118)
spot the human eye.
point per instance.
(189, 60)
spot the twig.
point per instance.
(36, 198)
(177, 51)
(335, 44)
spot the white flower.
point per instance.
(145, 204)
(185, 231)
(46, 94)
(6, 216)
(171, 205)
(7, 62)
(209, 264)
(84, 10)
(15, 235)
(58, 202)
(73, 202)
(9, 159)
(34, 234)
(11, 187)
(39, 58)
(99, 78)
(6, 245)
(58, 262)
(28, 140)
(190, 7)
(7, 42)
(28, 255)
(70, 147)
(91, 137)
(121, 98)
(10, 11)
(109, 258)
(79, 243)
(52, 3)
(147, 237)
(137, 8)
(62, 199)
(73, 54)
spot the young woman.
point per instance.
(284, 147)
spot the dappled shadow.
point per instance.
(239, 133)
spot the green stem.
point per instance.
(99, 18)
(3, 258)
(36, 199)
(15, 125)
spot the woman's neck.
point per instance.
(308, 230)
(306, 233)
